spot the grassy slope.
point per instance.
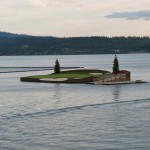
(55, 76)
(72, 74)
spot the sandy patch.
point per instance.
(52, 79)
(96, 73)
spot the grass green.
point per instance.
(71, 74)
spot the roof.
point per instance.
(124, 71)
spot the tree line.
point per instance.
(38, 45)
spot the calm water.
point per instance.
(40, 116)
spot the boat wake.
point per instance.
(70, 109)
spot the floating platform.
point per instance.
(118, 83)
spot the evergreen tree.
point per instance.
(57, 67)
(115, 65)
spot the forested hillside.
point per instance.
(14, 44)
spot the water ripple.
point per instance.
(70, 109)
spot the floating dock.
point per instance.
(118, 83)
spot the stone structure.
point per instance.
(122, 76)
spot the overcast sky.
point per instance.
(64, 18)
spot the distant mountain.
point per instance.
(11, 35)
(18, 44)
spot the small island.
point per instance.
(68, 76)
(90, 76)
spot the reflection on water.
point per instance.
(57, 93)
(116, 92)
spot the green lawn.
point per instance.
(71, 74)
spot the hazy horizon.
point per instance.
(126, 36)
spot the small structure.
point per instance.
(121, 76)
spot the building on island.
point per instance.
(121, 76)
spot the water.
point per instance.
(42, 116)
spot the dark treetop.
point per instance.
(57, 67)
(115, 65)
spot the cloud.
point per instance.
(145, 14)
(22, 4)
(74, 17)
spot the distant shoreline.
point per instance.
(17, 44)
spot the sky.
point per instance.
(72, 18)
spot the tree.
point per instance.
(115, 65)
(57, 67)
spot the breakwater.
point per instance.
(28, 69)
